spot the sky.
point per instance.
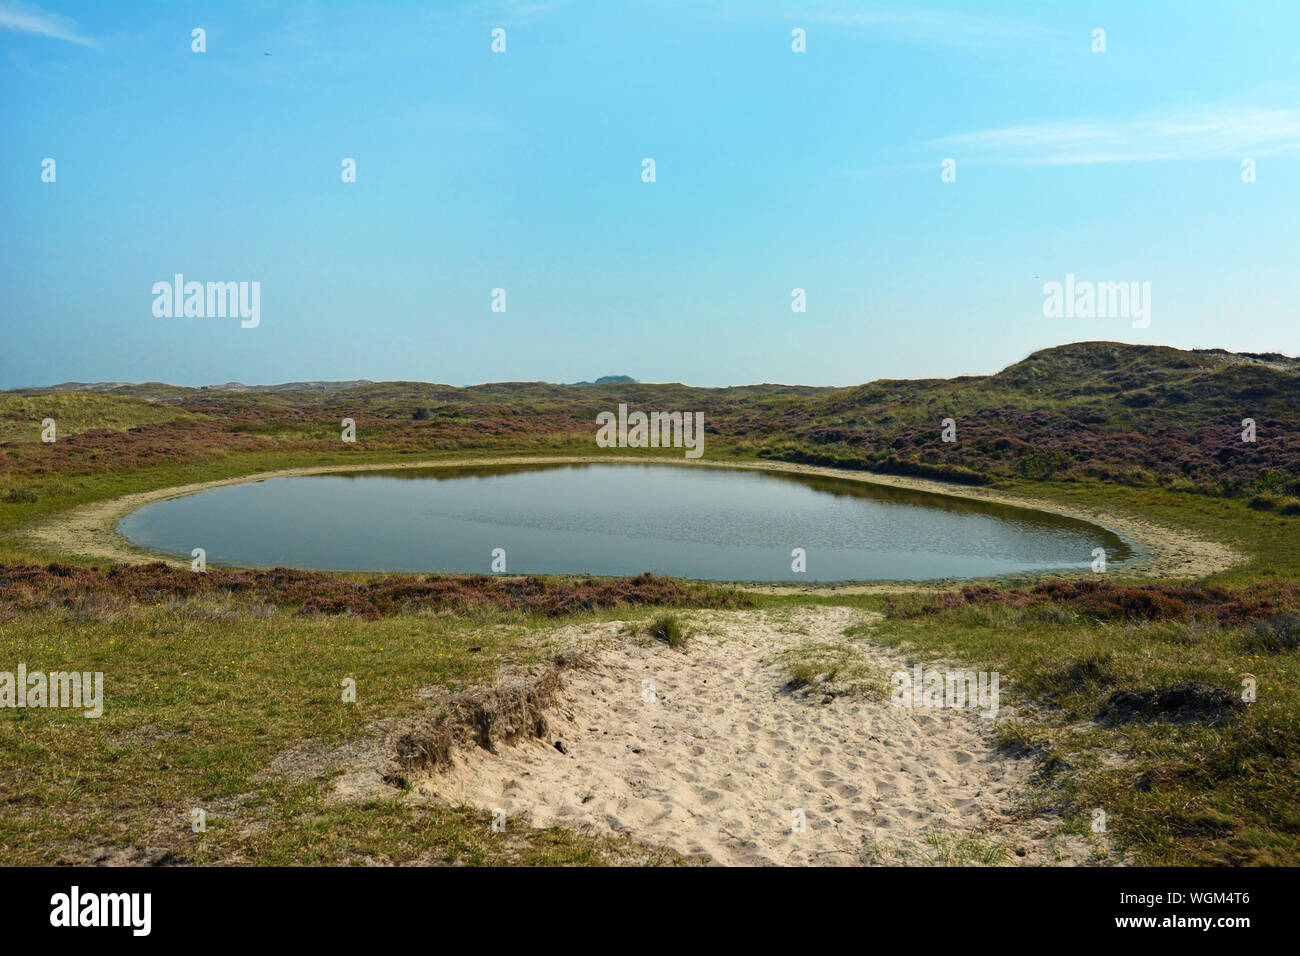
(522, 170)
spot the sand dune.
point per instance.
(725, 754)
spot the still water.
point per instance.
(614, 519)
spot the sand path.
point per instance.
(90, 530)
(721, 759)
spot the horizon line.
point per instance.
(359, 382)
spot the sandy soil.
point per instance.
(89, 530)
(720, 760)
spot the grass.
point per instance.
(938, 848)
(669, 629)
(1218, 789)
(1278, 634)
(21, 416)
(1270, 540)
(198, 700)
(831, 669)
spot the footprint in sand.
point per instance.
(727, 772)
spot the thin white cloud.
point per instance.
(1209, 134)
(24, 18)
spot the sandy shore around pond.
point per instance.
(90, 530)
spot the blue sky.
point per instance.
(522, 170)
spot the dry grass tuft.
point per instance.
(503, 714)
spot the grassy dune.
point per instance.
(77, 412)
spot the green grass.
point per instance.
(833, 669)
(1270, 539)
(74, 412)
(668, 628)
(199, 699)
(1201, 792)
(940, 849)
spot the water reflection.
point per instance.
(608, 518)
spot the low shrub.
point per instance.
(668, 628)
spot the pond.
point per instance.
(614, 519)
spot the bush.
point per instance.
(24, 587)
(1042, 464)
(1281, 632)
(1274, 480)
(1104, 601)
